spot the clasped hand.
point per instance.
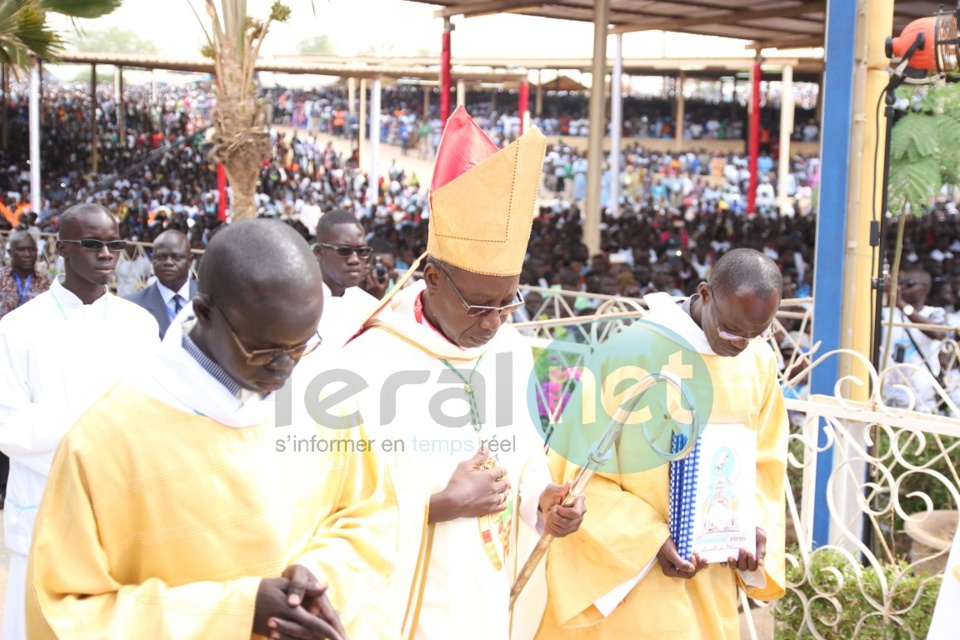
(296, 606)
(673, 566)
(558, 520)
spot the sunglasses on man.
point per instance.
(345, 251)
(92, 244)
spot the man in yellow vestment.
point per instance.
(175, 508)
(446, 385)
(621, 577)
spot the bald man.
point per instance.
(58, 354)
(623, 577)
(173, 288)
(176, 509)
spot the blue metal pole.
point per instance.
(832, 223)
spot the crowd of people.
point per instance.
(677, 212)
(183, 180)
(227, 486)
(403, 121)
(411, 535)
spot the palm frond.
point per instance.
(36, 36)
(206, 33)
(81, 8)
(915, 183)
(9, 9)
(24, 34)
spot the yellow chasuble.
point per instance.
(450, 582)
(159, 522)
(627, 513)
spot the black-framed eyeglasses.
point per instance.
(261, 357)
(92, 244)
(344, 251)
(479, 310)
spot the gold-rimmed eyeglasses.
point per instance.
(261, 357)
(479, 310)
(765, 335)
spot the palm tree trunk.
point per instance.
(244, 205)
(241, 142)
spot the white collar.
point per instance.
(178, 380)
(399, 317)
(68, 299)
(673, 315)
(666, 311)
(349, 293)
(167, 293)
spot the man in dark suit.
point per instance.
(173, 288)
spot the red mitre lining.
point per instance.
(463, 146)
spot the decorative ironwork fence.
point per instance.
(892, 490)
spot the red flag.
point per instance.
(222, 189)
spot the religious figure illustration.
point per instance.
(720, 513)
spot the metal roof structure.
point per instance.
(347, 68)
(806, 69)
(779, 24)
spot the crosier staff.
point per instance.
(600, 453)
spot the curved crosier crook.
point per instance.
(601, 452)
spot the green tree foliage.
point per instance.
(925, 148)
(24, 32)
(377, 49)
(317, 45)
(115, 40)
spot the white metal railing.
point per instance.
(893, 470)
(893, 474)
(589, 319)
(891, 499)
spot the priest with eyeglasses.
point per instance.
(174, 509)
(444, 393)
(58, 354)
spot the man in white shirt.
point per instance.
(173, 288)
(343, 254)
(58, 354)
(765, 193)
(920, 348)
(310, 214)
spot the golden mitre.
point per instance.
(482, 200)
